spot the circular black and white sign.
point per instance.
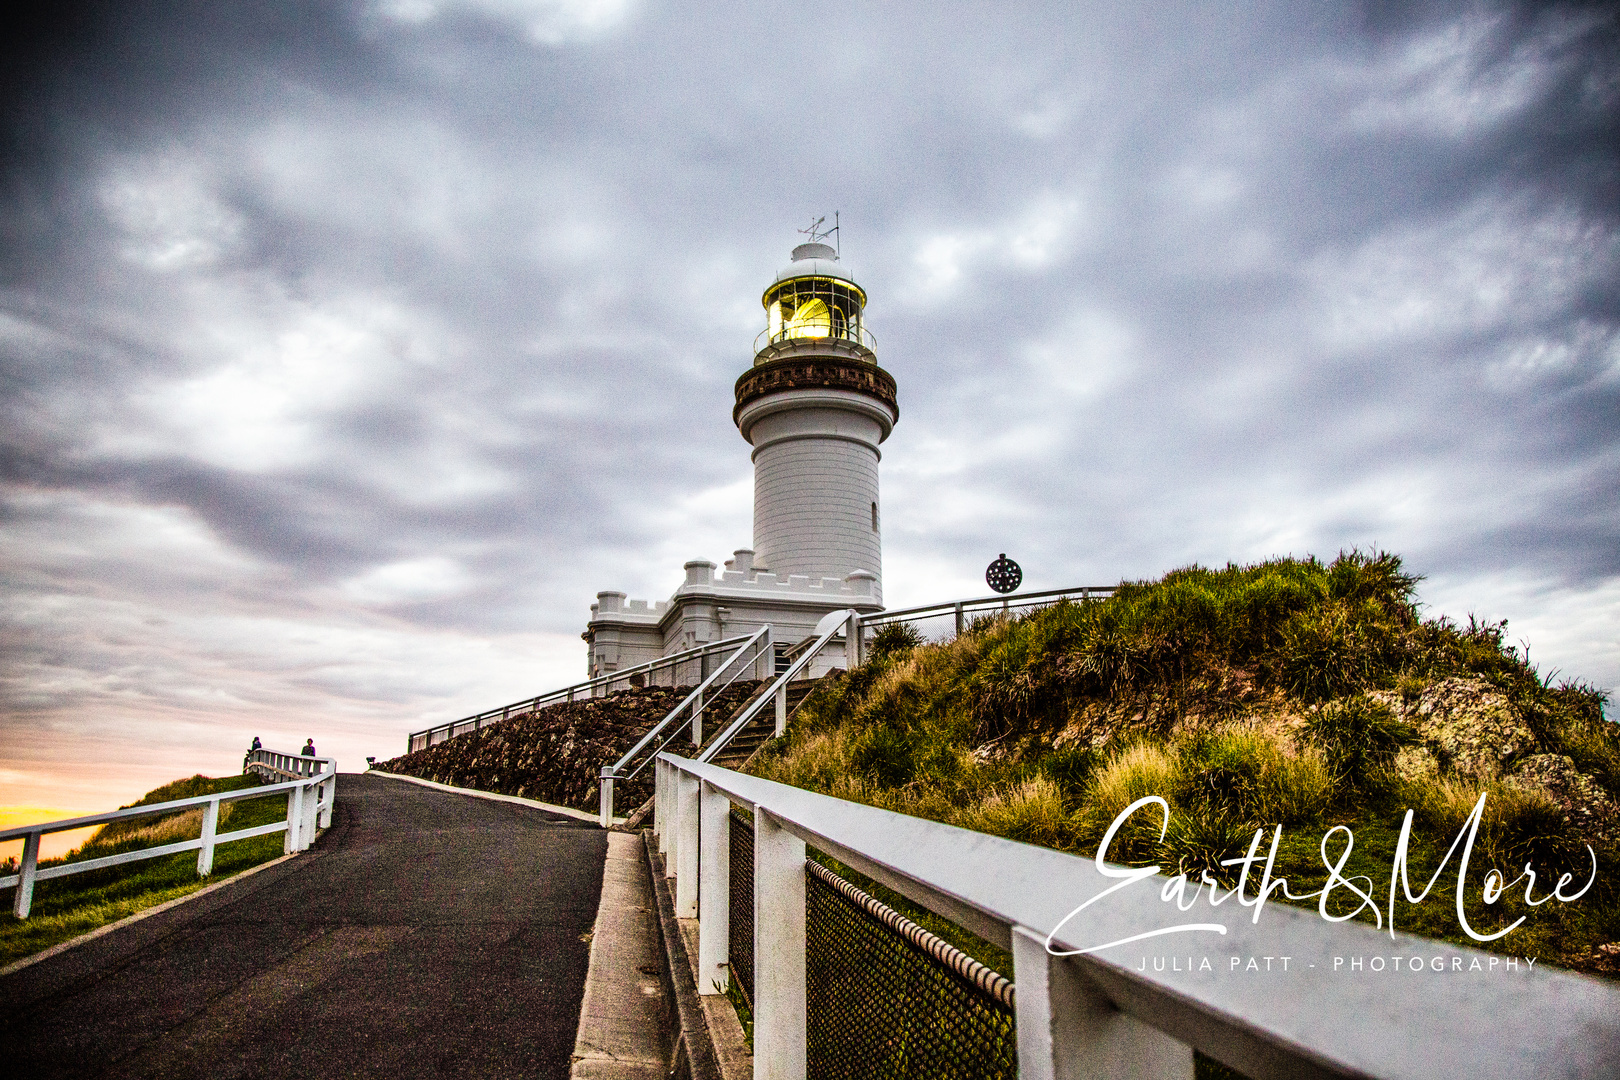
(1004, 575)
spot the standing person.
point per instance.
(309, 748)
(247, 757)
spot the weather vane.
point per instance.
(817, 234)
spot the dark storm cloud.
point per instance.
(339, 342)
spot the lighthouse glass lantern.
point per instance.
(813, 301)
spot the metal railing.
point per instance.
(687, 715)
(853, 628)
(831, 626)
(421, 740)
(962, 609)
(1086, 1007)
(310, 794)
(791, 340)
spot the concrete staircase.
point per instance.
(763, 726)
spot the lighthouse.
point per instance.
(815, 408)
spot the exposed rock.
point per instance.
(1470, 726)
(1590, 809)
(1416, 763)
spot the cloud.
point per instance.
(348, 350)
(549, 22)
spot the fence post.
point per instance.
(697, 720)
(312, 794)
(605, 797)
(326, 806)
(714, 890)
(663, 808)
(686, 846)
(765, 659)
(781, 708)
(779, 982)
(210, 826)
(24, 898)
(295, 819)
(852, 642)
(1068, 1030)
(959, 626)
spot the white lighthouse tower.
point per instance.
(815, 406)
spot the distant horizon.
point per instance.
(349, 349)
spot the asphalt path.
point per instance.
(426, 934)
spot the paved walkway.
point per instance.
(426, 934)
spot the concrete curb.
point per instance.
(709, 1025)
(145, 913)
(578, 815)
(695, 1048)
(624, 1023)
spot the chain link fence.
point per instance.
(886, 998)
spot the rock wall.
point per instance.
(556, 754)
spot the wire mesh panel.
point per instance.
(887, 999)
(741, 946)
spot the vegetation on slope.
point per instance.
(1290, 692)
(64, 908)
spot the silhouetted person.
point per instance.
(309, 748)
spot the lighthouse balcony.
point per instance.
(848, 343)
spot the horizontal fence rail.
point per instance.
(309, 805)
(1086, 999)
(963, 609)
(421, 740)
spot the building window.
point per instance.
(874, 517)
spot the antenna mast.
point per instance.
(816, 233)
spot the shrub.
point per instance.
(896, 638)
(1519, 824)
(1071, 766)
(1199, 838)
(884, 756)
(1255, 776)
(1332, 651)
(1032, 811)
(1132, 773)
(1359, 736)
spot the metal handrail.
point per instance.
(960, 608)
(693, 701)
(309, 806)
(860, 336)
(777, 691)
(1085, 1007)
(567, 692)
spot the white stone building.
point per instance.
(815, 407)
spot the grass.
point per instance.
(1246, 696)
(64, 908)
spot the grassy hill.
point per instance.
(64, 908)
(1289, 692)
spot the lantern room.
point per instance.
(813, 302)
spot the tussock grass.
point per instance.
(1247, 697)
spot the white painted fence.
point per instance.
(668, 667)
(310, 784)
(1111, 1012)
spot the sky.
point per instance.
(348, 350)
